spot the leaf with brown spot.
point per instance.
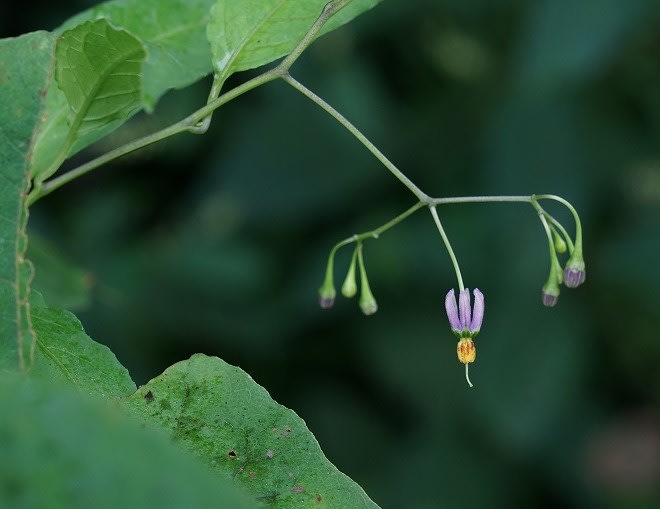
(215, 409)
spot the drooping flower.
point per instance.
(574, 274)
(465, 322)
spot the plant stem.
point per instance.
(576, 217)
(554, 262)
(198, 122)
(186, 124)
(375, 233)
(445, 239)
(421, 196)
(480, 199)
(562, 230)
(330, 9)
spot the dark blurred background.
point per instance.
(217, 244)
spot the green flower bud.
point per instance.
(574, 274)
(550, 294)
(327, 291)
(560, 243)
(349, 288)
(368, 303)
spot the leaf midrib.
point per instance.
(247, 38)
(89, 99)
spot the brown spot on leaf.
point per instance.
(287, 431)
(318, 499)
(232, 454)
(252, 474)
(296, 488)
(149, 396)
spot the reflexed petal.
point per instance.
(478, 311)
(452, 311)
(464, 311)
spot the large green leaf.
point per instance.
(248, 33)
(173, 32)
(61, 451)
(219, 412)
(25, 67)
(174, 35)
(98, 71)
(65, 354)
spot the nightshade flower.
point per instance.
(574, 274)
(465, 323)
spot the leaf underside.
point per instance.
(99, 83)
(251, 33)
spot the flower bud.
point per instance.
(327, 297)
(327, 291)
(550, 294)
(560, 243)
(349, 288)
(368, 303)
(574, 274)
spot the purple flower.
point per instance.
(549, 300)
(574, 277)
(464, 320)
(574, 274)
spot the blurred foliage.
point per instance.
(52, 439)
(217, 244)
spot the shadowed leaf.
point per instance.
(25, 67)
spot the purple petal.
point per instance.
(573, 277)
(452, 311)
(549, 300)
(464, 311)
(478, 312)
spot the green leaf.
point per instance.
(58, 279)
(247, 34)
(25, 67)
(63, 451)
(229, 421)
(174, 35)
(64, 353)
(98, 70)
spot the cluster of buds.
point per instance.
(572, 275)
(465, 322)
(349, 288)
